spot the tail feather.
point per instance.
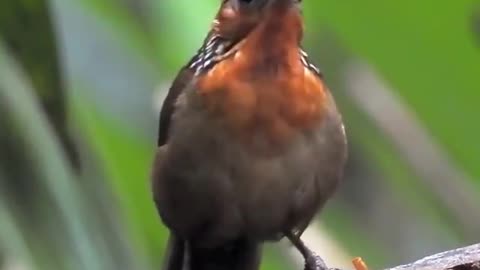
(241, 254)
(236, 255)
(175, 253)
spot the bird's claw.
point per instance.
(315, 262)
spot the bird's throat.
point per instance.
(275, 41)
(261, 88)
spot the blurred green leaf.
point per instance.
(51, 162)
(27, 30)
(179, 27)
(9, 233)
(128, 30)
(426, 51)
(126, 159)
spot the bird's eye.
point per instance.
(248, 5)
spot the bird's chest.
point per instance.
(245, 176)
(261, 117)
(265, 137)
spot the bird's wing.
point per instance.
(183, 78)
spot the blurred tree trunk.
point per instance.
(465, 258)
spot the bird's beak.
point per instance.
(279, 2)
(235, 5)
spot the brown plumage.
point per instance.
(251, 145)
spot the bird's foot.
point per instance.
(312, 260)
(315, 262)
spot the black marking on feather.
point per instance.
(308, 64)
(215, 46)
(207, 56)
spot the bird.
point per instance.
(251, 144)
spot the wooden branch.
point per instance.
(466, 258)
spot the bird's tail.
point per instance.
(174, 253)
(240, 254)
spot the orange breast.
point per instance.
(263, 90)
(253, 102)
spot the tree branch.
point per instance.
(466, 258)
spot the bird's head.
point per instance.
(237, 18)
(252, 72)
(264, 24)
